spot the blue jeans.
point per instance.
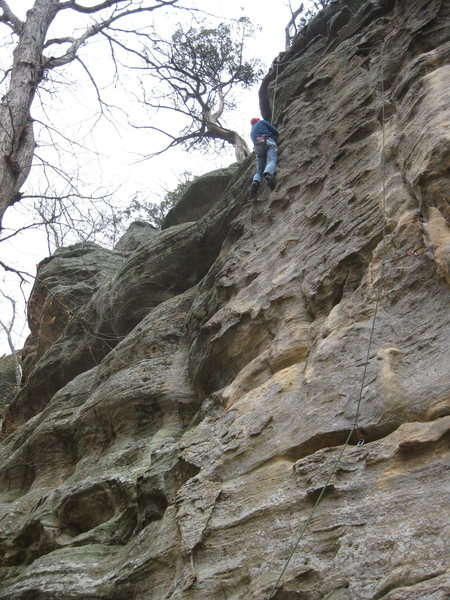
(266, 159)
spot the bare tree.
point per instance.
(199, 69)
(291, 29)
(35, 56)
(7, 327)
(141, 209)
(300, 17)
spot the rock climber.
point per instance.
(264, 135)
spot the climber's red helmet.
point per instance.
(254, 120)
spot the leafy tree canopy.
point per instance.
(200, 69)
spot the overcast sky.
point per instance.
(117, 147)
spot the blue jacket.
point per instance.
(263, 127)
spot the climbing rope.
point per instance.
(275, 91)
(281, 63)
(354, 428)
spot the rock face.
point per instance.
(137, 233)
(8, 385)
(65, 283)
(172, 439)
(200, 197)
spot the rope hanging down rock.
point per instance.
(354, 428)
(275, 92)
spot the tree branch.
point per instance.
(91, 9)
(20, 274)
(99, 27)
(27, 227)
(10, 19)
(294, 15)
(8, 331)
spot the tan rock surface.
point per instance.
(176, 448)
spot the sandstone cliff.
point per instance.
(188, 395)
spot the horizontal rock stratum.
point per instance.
(189, 395)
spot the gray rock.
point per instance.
(200, 197)
(176, 447)
(8, 381)
(137, 233)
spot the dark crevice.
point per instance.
(152, 507)
(87, 508)
(32, 542)
(322, 294)
(156, 491)
(216, 360)
(338, 293)
(345, 277)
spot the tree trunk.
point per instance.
(232, 137)
(241, 148)
(16, 128)
(17, 367)
(287, 31)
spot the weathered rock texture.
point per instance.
(137, 233)
(172, 441)
(200, 196)
(8, 382)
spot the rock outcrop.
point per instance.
(200, 196)
(137, 233)
(179, 425)
(8, 380)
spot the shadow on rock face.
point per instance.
(87, 508)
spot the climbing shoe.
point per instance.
(254, 189)
(270, 180)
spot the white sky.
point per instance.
(116, 167)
